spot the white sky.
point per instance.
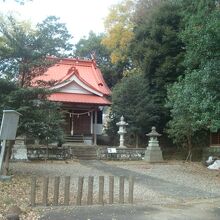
(80, 16)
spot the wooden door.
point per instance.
(81, 124)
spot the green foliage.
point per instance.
(201, 33)
(194, 100)
(23, 52)
(5, 89)
(40, 118)
(92, 47)
(130, 100)
(23, 49)
(156, 48)
(158, 52)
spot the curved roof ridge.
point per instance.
(71, 71)
(86, 72)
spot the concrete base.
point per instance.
(19, 152)
(122, 147)
(153, 156)
(88, 140)
(153, 153)
(5, 178)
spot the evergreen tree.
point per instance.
(197, 94)
(23, 49)
(158, 51)
(23, 56)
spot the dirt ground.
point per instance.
(165, 189)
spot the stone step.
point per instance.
(75, 138)
(84, 152)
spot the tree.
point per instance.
(194, 100)
(23, 53)
(23, 50)
(40, 118)
(157, 50)
(129, 99)
(92, 47)
(119, 30)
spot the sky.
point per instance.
(80, 16)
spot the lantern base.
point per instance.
(19, 150)
(5, 178)
(153, 154)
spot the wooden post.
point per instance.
(111, 189)
(101, 190)
(90, 190)
(80, 190)
(121, 189)
(33, 190)
(56, 190)
(45, 191)
(131, 189)
(67, 190)
(95, 129)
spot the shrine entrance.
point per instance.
(78, 123)
(81, 124)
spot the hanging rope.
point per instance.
(79, 114)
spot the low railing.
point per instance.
(54, 191)
(103, 153)
(41, 153)
(121, 153)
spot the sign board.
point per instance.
(9, 125)
(112, 150)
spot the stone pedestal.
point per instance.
(19, 150)
(153, 152)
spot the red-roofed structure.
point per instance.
(81, 89)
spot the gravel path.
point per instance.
(164, 180)
(154, 183)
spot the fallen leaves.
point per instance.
(16, 193)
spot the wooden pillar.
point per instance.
(33, 190)
(91, 123)
(90, 190)
(45, 191)
(56, 190)
(80, 190)
(95, 129)
(111, 189)
(121, 189)
(67, 190)
(131, 190)
(101, 190)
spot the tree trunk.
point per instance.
(189, 142)
(136, 140)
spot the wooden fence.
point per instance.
(110, 190)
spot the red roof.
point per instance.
(86, 71)
(79, 98)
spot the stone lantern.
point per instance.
(153, 152)
(122, 131)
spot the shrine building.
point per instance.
(81, 89)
